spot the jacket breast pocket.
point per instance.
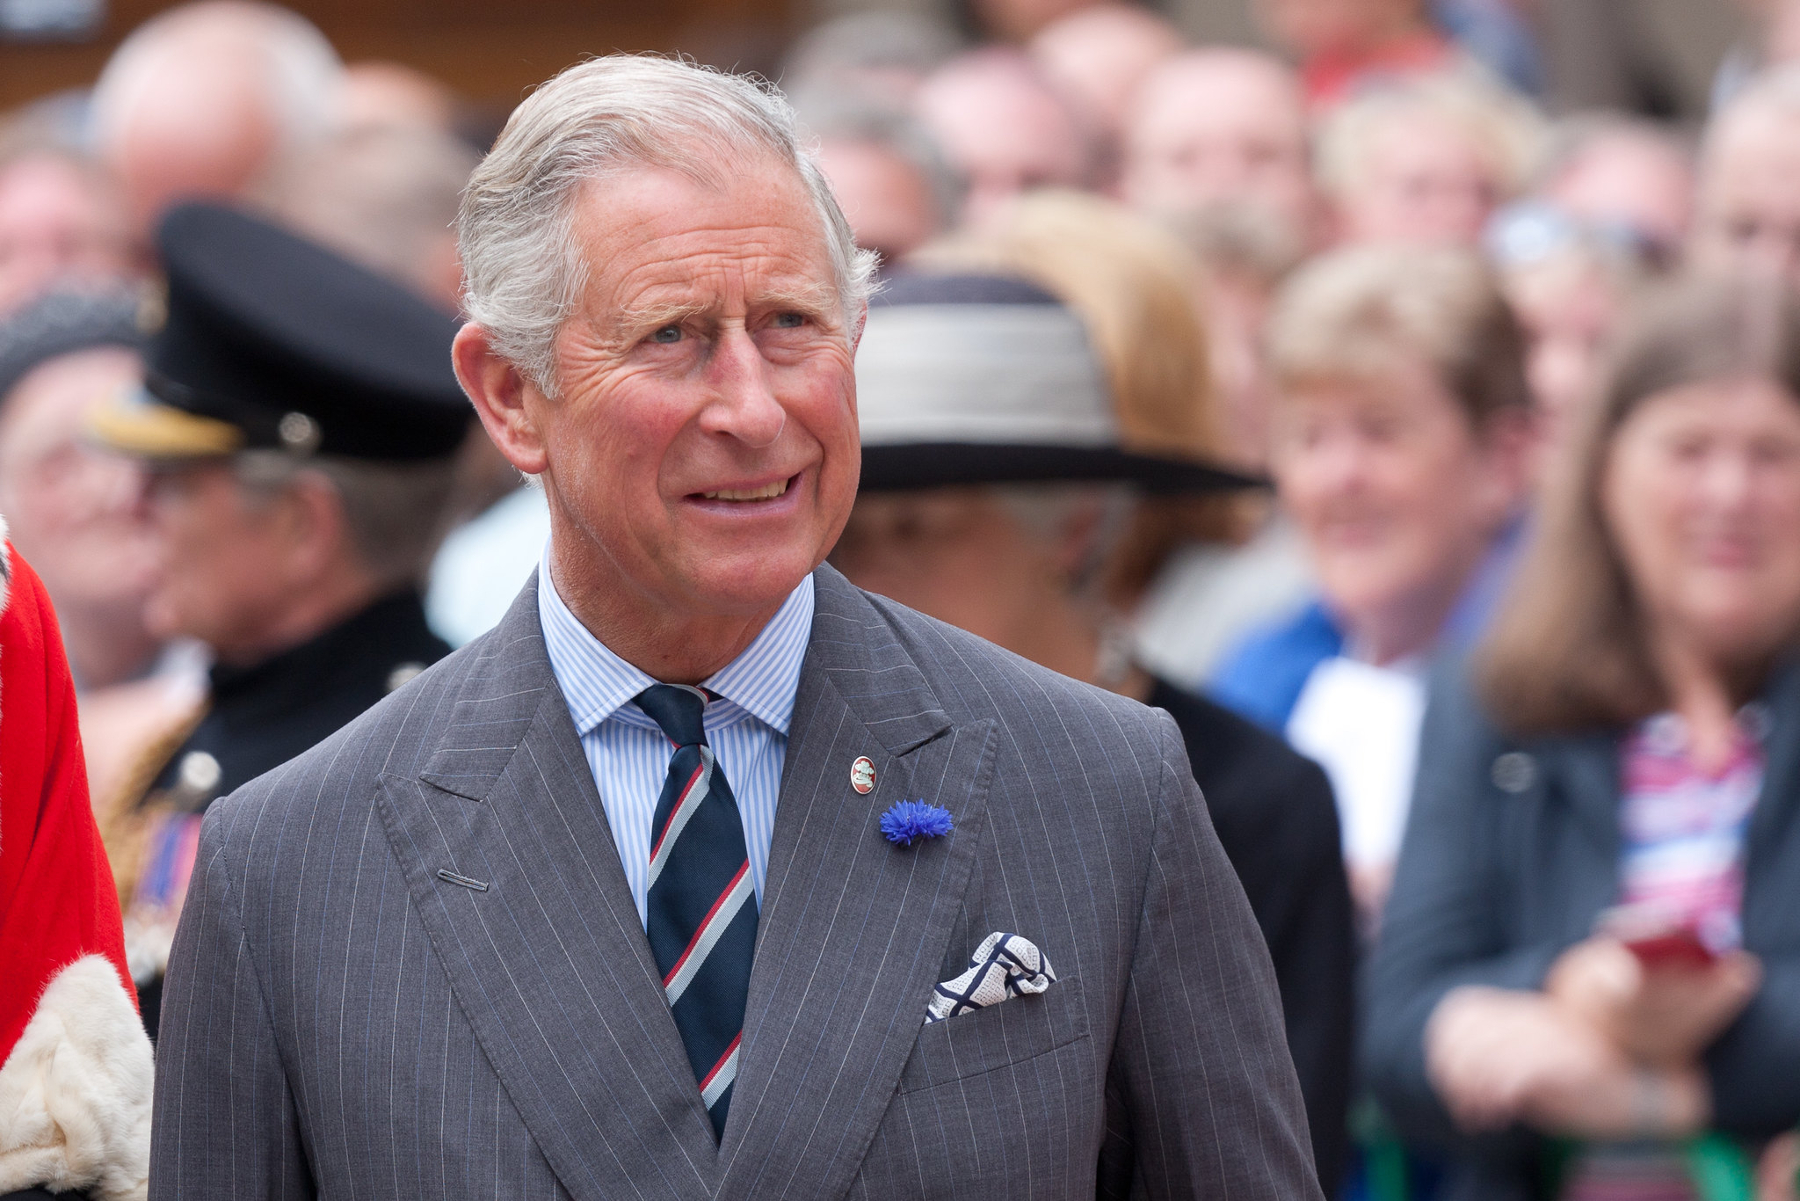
(999, 1036)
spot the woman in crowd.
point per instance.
(1401, 446)
(1592, 952)
(1003, 435)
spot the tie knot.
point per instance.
(677, 708)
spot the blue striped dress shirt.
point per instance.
(747, 727)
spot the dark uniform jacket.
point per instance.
(260, 717)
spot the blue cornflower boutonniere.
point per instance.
(907, 822)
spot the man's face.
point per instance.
(702, 453)
(1395, 495)
(55, 224)
(74, 508)
(1426, 181)
(223, 559)
(1220, 130)
(1005, 132)
(1750, 195)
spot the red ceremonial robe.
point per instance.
(75, 1066)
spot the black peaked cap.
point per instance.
(290, 346)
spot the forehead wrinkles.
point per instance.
(715, 272)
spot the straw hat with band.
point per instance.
(984, 379)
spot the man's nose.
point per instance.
(744, 403)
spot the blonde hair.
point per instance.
(1132, 284)
(1492, 117)
(1365, 311)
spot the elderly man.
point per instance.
(298, 419)
(699, 814)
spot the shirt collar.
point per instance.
(598, 684)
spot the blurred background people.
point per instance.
(1005, 129)
(1749, 197)
(997, 496)
(299, 426)
(1099, 55)
(1623, 174)
(77, 510)
(1590, 938)
(383, 195)
(893, 183)
(62, 222)
(1425, 160)
(880, 57)
(1222, 129)
(202, 100)
(1568, 281)
(378, 94)
(1401, 449)
(71, 506)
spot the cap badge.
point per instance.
(862, 775)
(299, 433)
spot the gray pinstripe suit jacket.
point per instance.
(343, 1021)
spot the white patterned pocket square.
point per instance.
(1002, 967)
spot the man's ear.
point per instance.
(500, 391)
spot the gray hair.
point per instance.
(606, 116)
(396, 513)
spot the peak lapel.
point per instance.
(539, 936)
(854, 929)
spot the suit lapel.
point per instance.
(853, 929)
(538, 934)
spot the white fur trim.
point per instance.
(75, 1092)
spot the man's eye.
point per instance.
(789, 320)
(668, 333)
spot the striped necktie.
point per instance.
(701, 909)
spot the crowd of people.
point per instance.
(1433, 461)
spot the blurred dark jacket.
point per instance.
(1275, 817)
(1511, 852)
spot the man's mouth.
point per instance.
(766, 492)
